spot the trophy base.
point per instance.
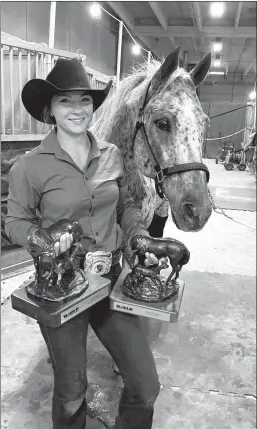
(52, 294)
(54, 314)
(166, 311)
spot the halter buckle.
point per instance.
(159, 176)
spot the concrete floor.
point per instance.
(206, 362)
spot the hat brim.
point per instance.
(37, 94)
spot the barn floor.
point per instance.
(206, 362)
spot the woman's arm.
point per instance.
(23, 200)
(128, 215)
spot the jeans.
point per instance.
(124, 337)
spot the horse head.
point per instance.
(163, 98)
(175, 124)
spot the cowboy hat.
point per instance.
(66, 75)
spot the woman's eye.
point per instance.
(163, 124)
(64, 100)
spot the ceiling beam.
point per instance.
(185, 31)
(198, 19)
(129, 21)
(197, 15)
(123, 13)
(155, 6)
(238, 14)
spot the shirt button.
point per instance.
(97, 233)
(93, 196)
(94, 242)
(92, 214)
(86, 178)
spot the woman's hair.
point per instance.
(46, 117)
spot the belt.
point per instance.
(116, 255)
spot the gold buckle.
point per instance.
(98, 262)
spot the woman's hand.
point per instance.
(151, 259)
(64, 244)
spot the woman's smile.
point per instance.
(77, 120)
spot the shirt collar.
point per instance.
(51, 145)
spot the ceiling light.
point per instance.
(252, 95)
(136, 49)
(217, 44)
(95, 11)
(217, 60)
(221, 73)
(217, 9)
(217, 63)
(217, 47)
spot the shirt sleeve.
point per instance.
(129, 215)
(22, 202)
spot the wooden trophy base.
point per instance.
(55, 314)
(167, 311)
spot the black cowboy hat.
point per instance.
(67, 75)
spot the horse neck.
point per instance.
(119, 131)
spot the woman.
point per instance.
(71, 175)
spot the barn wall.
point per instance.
(221, 98)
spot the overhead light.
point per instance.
(217, 60)
(252, 95)
(136, 49)
(217, 9)
(95, 11)
(221, 73)
(217, 63)
(217, 44)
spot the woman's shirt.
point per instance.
(47, 179)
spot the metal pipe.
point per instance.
(254, 116)
(51, 33)
(119, 53)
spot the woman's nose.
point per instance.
(77, 106)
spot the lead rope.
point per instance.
(219, 210)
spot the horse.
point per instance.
(156, 120)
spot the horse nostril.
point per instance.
(191, 210)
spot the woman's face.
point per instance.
(73, 111)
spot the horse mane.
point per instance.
(114, 108)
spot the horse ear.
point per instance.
(167, 68)
(199, 72)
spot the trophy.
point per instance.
(146, 284)
(58, 279)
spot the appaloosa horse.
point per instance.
(156, 120)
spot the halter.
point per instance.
(162, 173)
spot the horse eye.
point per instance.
(163, 124)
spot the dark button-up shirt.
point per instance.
(48, 180)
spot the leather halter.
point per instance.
(162, 173)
